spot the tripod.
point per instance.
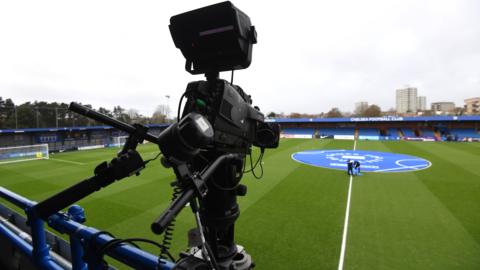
(217, 209)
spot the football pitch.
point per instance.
(294, 217)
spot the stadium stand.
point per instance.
(336, 131)
(392, 132)
(407, 132)
(465, 133)
(368, 132)
(426, 128)
(299, 131)
(427, 133)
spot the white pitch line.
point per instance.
(345, 226)
(414, 168)
(67, 161)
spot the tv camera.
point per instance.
(207, 146)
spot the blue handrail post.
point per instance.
(77, 214)
(41, 251)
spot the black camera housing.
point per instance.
(214, 38)
(237, 124)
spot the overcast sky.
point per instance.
(311, 55)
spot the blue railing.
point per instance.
(83, 257)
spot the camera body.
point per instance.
(229, 109)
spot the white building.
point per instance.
(421, 103)
(406, 100)
(443, 107)
(472, 105)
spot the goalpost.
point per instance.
(119, 141)
(23, 153)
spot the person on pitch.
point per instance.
(356, 166)
(350, 167)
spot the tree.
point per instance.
(25, 116)
(63, 114)
(160, 114)
(3, 113)
(334, 113)
(7, 113)
(118, 111)
(163, 109)
(271, 115)
(120, 114)
(80, 120)
(347, 114)
(428, 113)
(105, 111)
(390, 112)
(44, 114)
(372, 111)
(133, 114)
(360, 109)
(458, 111)
(295, 115)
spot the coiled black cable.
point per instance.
(168, 233)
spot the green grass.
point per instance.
(293, 218)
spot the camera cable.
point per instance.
(180, 105)
(254, 166)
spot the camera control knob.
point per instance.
(241, 190)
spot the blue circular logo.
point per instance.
(370, 161)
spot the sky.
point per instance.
(311, 55)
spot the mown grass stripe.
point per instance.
(302, 216)
(277, 165)
(457, 188)
(67, 161)
(398, 223)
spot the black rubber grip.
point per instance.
(159, 225)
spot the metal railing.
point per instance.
(84, 241)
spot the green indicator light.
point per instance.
(201, 103)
